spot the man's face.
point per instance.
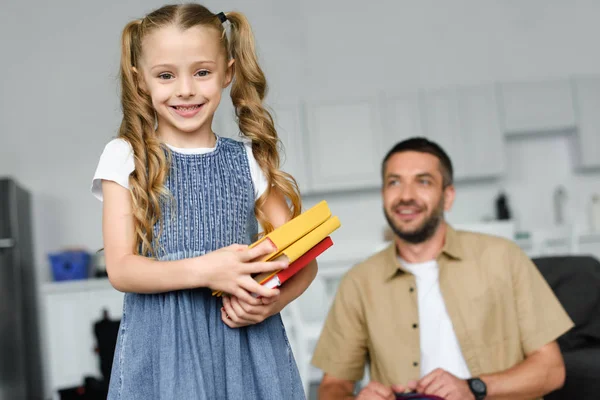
(414, 197)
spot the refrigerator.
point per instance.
(20, 349)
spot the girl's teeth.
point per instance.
(187, 108)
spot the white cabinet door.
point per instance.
(68, 338)
(537, 106)
(587, 98)
(288, 122)
(481, 135)
(69, 328)
(344, 145)
(464, 121)
(442, 125)
(401, 119)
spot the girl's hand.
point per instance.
(231, 268)
(237, 313)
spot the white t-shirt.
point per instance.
(116, 164)
(439, 345)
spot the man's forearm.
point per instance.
(540, 373)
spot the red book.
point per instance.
(285, 274)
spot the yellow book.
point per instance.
(291, 231)
(302, 245)
(296, 228)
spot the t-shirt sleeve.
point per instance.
(342, 350)
(116, 164)
(258, 177)
(542, 319)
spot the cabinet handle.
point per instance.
(7, 243)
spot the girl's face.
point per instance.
(184, 71)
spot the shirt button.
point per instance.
(415, 326)
(415, 363)
(412, 289)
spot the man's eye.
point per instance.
(425, 182)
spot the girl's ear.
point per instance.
(229, 73)
(139, 79)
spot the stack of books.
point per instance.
(299, 241)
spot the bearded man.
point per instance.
(442, 312)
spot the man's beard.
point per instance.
(421, 233)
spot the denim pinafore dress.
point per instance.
(174, 345)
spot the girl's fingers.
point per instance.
(261, 250)
(245, 296)
(240, 312)
(254, 287)
(265, 266)
(268, 300)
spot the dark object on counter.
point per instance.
(575, 281)
(92, 389)
(502, 210)
(106, 331)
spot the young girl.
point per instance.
(180, 206)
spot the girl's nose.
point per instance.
(186, 88)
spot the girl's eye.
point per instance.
(202, 73)
(165, 76)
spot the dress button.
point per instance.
(415, 326)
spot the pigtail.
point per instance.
(138, 128)
(248, 91)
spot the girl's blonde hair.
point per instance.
(248, 91)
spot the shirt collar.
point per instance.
(452, 249)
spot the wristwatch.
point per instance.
(478, 388)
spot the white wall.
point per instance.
(59, 102)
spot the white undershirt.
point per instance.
(439, 345)
(116, 164)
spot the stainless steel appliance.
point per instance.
(20, 354)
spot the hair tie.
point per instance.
(226, 27)
(222, 17)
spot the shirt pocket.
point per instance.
(490, 318)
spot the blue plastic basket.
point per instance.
(70, 265)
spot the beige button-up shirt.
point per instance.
(500, 306)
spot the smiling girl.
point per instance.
(180, 206)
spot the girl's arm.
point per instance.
(227, 269)
(237, 312)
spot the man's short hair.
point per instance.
(423, 145)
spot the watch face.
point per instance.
(478, 386)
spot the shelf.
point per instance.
(76, 286)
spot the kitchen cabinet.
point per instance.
(482, 137)
(344, 145)
(535, 107)
(587, 106)
(70, 311)
(401, 119)
(464, 121)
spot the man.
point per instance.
(454, 314)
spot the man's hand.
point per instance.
(378, 391)
(443, 384)
(237, 313)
